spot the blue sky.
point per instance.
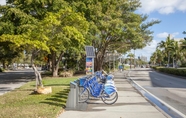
(172, 14)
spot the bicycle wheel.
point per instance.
(83, 94)
(109, 99)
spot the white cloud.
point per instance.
(147, 51)
(165, 34)
(162, 6)
(174, 34)
(166, 10)
(182, 6)
(2, 2)
(162, 35)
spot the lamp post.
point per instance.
(113, 61)
(109, 62)
(115, 52)
(134, 59)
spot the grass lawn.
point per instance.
(22, 103)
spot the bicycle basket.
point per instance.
(110, 77)
(82, 81)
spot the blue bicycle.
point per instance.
(89, 86)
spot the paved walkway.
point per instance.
(130, 104)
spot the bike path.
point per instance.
(130, 104)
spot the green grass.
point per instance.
(22, 103)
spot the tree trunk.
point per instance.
(130, 63)
(168, 58)
(4, 65)
(38, 77)
(176, 63)
(37, 73)
(55, 73)
(55, 63)
(99, 61)
(98, 64)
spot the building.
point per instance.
(143, 58)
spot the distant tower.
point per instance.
(170, 36)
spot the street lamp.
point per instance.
(115, 52)
(134, 59)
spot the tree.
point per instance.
(167, 46)
(65, 32)
(159, 56)
(8, 53)
(58, 26)
(177, 53)
(183, 48)
(16, 31)
(183, 43)
(114, 26)
(131, 56)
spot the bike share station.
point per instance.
(95, 85)
(73, 96)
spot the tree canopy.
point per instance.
(114, 25)
(68, 25)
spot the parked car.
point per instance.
(147, 66)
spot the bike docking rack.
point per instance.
(72, 101)
(90, 88)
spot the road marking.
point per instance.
(156, 78)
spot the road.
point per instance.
(14, 79)
(170, 89)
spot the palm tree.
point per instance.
(183, 49)
(167, 46)
(176, 53)
(153, 58)
(131, 55)
(159, 55)
(183, 44)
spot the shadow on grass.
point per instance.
(57, 85)
(58, 99)
(24, 89)
(53, 85)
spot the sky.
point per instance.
(171, 13)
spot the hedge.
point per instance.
(173, 71)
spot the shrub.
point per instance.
(173, 71)
(1, 70)
(66, 73)
(183, 65)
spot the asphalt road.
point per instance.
(170, 89)
(14, 79)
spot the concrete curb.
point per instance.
(172, 112)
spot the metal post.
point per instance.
(114, 62)
(92, 65)
(134, 59)
(109, 62)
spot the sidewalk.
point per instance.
(130, 104)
